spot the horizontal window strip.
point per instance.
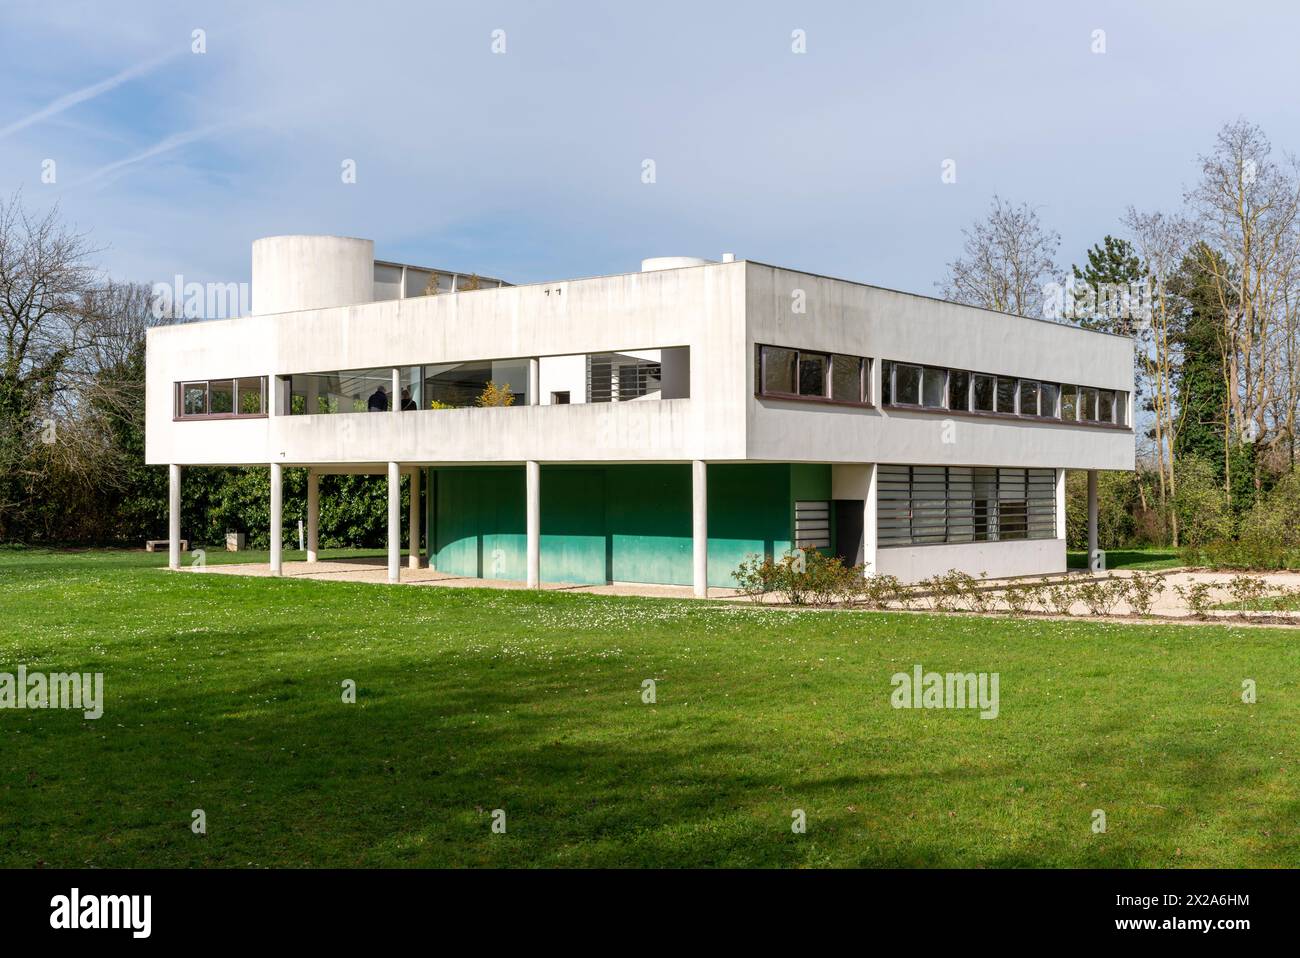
(927, 505)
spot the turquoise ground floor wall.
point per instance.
(625, 523)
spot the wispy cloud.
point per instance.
(166, 145)
(69, 100)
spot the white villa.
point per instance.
(651, 427)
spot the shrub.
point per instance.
(1197, 597)
(1141, 590)
(756, 577)
(1061, 597)
(1100, 596)
(1203, 507)
(1247, 590)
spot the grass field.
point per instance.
(1153, 557)
(223, 693)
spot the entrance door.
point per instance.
(848, 530)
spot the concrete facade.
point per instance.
(315, 311)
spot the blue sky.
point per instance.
(527, 164)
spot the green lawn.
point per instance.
(223, 693)
(1148, 557)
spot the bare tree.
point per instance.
(1161, 241)
(1009, 258)
(44, 272)
(1248, 210)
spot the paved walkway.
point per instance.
(376, 570)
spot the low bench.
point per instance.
(153, 545)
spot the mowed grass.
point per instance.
(223, 693)
(1149, 557)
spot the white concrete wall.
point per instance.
(882, 324)
(701, 308)
(308, 272)
(998, 559)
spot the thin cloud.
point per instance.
(166, 145)
(69, 100)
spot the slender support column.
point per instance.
(394, 522)
(533, 493)
(395, 398)
(534, 381)
(1060, 504)
(870, 524)
(277, 517)
(700, 526)
(413, 559)
(1093, 557)
(173, 516)
(313, 515)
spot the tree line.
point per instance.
(1210, 293)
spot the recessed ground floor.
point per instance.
(693, 524)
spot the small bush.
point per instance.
(1141, 590)
(1197, 597)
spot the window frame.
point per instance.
(178, 398)
(864, 377)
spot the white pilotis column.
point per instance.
(1060, 504)
(1092, 517)
(870, 530)
(534, 382)
(394, 522)
(277, 516)
(313, 515)
(533, 493)
(700, 526)
(413, 559)
(173, 516)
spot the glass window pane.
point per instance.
(1028, 398)
(933, 386)
(1047, 396)
(252, 396)
(1070, 403)
(412, 379)
(1121, 408)
(778, 370)
(1106, 406)
(1088, 405)
(984, 393)
(194, 400)
(907, 384)
(958, 389)
(812, 374)
(846, 378)
(1006, 395)
(221, 397)
(886, 383)
(459, 385)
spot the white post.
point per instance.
(277, 516)
(870, 530)
(533, 493)
(1060, 504)
(394, 522)
(700, 526)
(413, 560)
(173, 516)
(534, 383)
(313, 515)
(395, 400)
(1092, 520)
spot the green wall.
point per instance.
(614, 523)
